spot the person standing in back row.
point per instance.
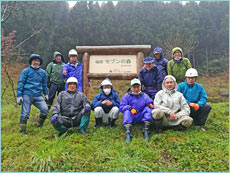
(56, 83)
(73, 69)
(178, 65)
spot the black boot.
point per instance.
(146, 131)
(22, 127)
(112, 122)
(159, 127)
(41, 122)
(179, 128)
(98, 122)
(128, 133)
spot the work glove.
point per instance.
(195, 106)
(87, 109)
(46, 97)
(151, 105)
(54, 118)
(19, 100)
(133, 111)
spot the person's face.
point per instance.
(72, 86)
(191, 80)
(177, 54)
(58, 58)
(157, 55)
(136, 88)
(35, 63)
(148, 66)
(106, 87)
(169, 84)
(73, 59)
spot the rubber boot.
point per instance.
(41, 122)
(159, 127)
(128, 133)
(112, 122)
(146, 131)
(22, 127)
(179, 128)
(82, 131)
(98, 122)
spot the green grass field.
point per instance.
(104, 149)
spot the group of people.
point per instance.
(165, 94)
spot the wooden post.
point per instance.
(85, 62)
(140, 61)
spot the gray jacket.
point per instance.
(71, 104)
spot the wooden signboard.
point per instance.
(113, 62)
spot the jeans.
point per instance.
(37, 101)
(52, 92)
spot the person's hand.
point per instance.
(151, 105)
(64, 73)
(195, 106)
(133, 111)
(104, 102)
(108, 103)
(19, 100)
(172, 116)
(87, 108)
(54, 118)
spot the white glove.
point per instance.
(46, 97)
(19, 100)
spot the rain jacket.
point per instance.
(178, 68)
(71, 104)
(113, 97)
(150, 78)
(193, 93)
(160, 63)
(54, 71)
(74, 70)
(172, 101)
(32, 82)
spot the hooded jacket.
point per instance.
(160, 63)
(171, 101)
(74, 70)
(54, 71)
(178, 68)
(32, 81)
(139, 102)
(193, 93)
(71, 104)
(113, 97)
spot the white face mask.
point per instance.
(35, 66)
(107, 91)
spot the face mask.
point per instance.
(107, 91)
(136, 93)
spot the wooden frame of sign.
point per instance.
(140, 51)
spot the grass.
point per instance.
(104, 149)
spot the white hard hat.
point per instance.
(192, 72)
(73, 52)
(135, 81)
(106, 82)
(72, 80)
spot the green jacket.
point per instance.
(54, 71)
(178, 69)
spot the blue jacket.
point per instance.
(193, 93)
(72, 71)
(150, 78)
(160, 63)
(32, 82)
(113, 97)
(139, 102)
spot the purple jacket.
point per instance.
(139, 102)
(150, 78)
(160, 63)
(72, 71)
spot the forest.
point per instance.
(200, 29)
